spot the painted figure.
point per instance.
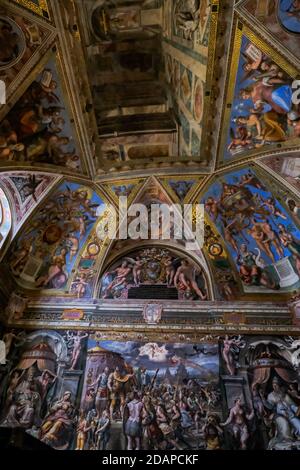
(239, 420)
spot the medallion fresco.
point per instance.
(260, 233)
(261, 110)
(222, 393)
(44, 254)
(38, 128)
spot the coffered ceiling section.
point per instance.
(148, 65)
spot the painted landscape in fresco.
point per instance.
(73, 390)
(263, 112)
(45, 252)
(259, 232)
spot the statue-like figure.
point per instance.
(187, 17)
(133, 425)
(77, 347)
(239, 419)
(59, 424)
(25, 408)
(286, 415)
(186, 276)
(229, 345)
(116, 386)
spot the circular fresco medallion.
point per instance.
(198, 101)
(215, 249)
(93, 249)
(52, 234)
(12, 43)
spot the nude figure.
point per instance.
(122, 273)
(170, 270)
(185, 275)
(261, 240)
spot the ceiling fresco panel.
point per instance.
(23, 42)
(261, 233)
(26, 189)
(260, 112)
(45, 253)
(181, 188)
(280, 18)
(286, 166)
(123, 188)
(39, 127)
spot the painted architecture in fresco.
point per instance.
(279, 17)
(73, 391)
(129, 344)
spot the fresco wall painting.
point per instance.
(45, 253)
(279, 17)
(260, 233)
(260, 110)
(73, 390)
(38, 129)
(26, 189)
(154, 273)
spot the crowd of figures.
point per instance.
(55, 236)
(258, 230)
(152, 415)
(37, 129)
(264, 111)
(184, 398)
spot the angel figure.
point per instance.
(230, 347)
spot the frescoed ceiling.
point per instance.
(176, 101)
